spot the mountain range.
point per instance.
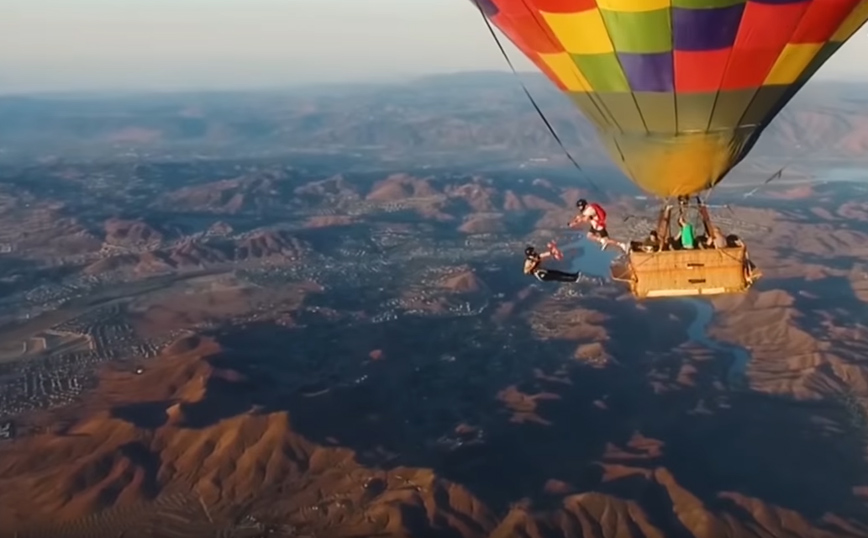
(483, 112)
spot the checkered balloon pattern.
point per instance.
(679, 90)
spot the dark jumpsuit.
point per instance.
(547, 275)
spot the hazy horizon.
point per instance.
(164, 45)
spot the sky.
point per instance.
(63, 45)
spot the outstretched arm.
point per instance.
(578, 219)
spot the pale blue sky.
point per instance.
(164, 44)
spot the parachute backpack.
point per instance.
(601, 213)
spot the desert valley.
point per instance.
(303, 314)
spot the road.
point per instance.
(12, 336)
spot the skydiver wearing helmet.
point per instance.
(533, 265)
(595, 215)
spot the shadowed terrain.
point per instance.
(264, 344)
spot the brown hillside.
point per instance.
(232, 196)
(400, 186)
(463, 282)
(482, 224)
(511, 202)
(208, 252)
(269, 243)
(129, 232)
(186, 426)
(479, 194)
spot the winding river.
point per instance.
(592, 261)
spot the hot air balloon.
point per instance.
(679, 90)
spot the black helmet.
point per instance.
(529, 251)
(581, 203)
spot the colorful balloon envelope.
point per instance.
(679, 90)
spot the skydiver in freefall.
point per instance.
(533, 266)
(595, 215)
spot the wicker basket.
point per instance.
(675, 273)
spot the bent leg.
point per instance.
(595, 235)
(601, 235)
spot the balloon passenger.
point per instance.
(685, 234)
(716, 239)
(533, 266)
(594, 214)
(751, 272)
(649, 244)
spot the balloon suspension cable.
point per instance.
(768, 180)
(780, 172)
(777, 174)
(533, 101)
